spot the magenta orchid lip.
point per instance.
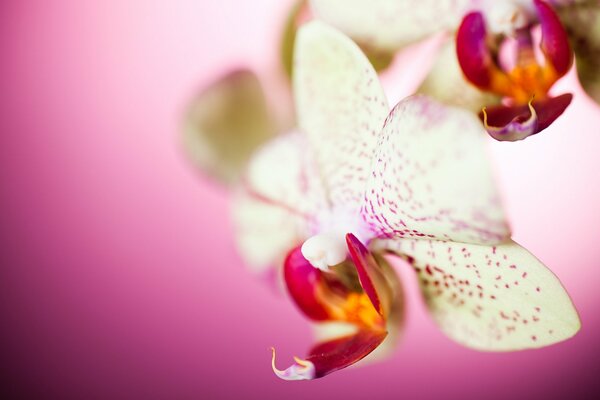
(330, 296)
(527, 84)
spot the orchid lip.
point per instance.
(517, 129)
(512, 123)
(528, 78)
(354, 292)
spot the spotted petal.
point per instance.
(496, 298)
(431, 178)
(275, 205)
(225, 123)
(583, 27)
(390, 24)
(341, 108)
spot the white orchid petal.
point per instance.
(284, 174)
(341, 108)
(446, 82)
(275, 206)
(431, 177)
(264, 233)
(390, 24)
(495, 298)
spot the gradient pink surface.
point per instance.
(119, 277)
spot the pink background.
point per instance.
(118, 272)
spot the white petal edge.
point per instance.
(491, 298)
(341, 108)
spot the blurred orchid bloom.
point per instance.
(225, 123)
(359, 182)
(483, 26)
(231, 117)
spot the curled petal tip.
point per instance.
(555, 42)
(518, 128)
(518, 122)
(301, 370)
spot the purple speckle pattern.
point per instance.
(430, 178)
(489, 297)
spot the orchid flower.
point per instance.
(358, 183)
(483, 26)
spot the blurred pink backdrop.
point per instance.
(119, 277)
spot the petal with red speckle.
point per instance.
(431, 178)
(341, 107)
(495, 298)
